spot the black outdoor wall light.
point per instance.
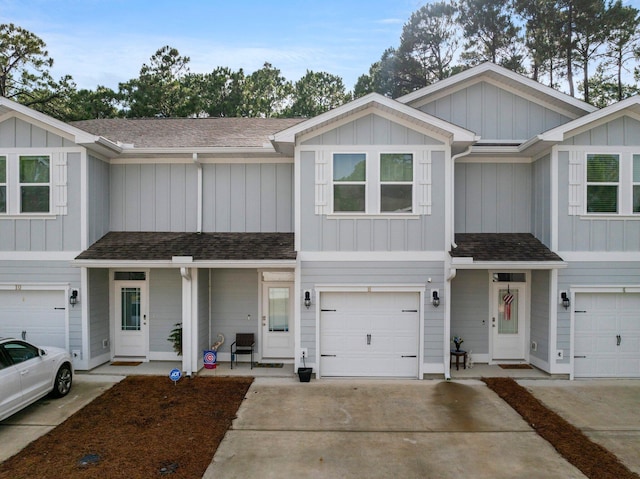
(73, 299)
(307, 299)
(435, 299)
(566, 302)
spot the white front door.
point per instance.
(277, 321)
(508, 321)
(131, 325)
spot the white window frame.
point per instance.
(421, 184)
(617, 184)
(4, 184)
(57, 183)
(412, 182)
(366, 182)
(21, 185)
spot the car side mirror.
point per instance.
(43, 352)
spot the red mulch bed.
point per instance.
(145, 426)
(593, 460)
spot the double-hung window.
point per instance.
(3, 184)
(350, 183)
(636, 183)
(373, 183)
(603, 183)
(396, 183)
(35, 184)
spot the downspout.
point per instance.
(186, 321)
(196, 161)
(447, 264)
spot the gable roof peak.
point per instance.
(493, 72)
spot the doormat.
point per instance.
(126, 363)
(268, 365)
(515, 366)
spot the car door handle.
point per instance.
(619, 339)
(24, 372)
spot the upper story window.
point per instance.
(349, 183)
(636, 183)
(603, 183)
(396, 183)
(34, 184)
(380, 183)
(3, 184)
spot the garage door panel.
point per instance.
(41, 314)
(368, 334)
(607, 335)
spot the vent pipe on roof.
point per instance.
(199, 188)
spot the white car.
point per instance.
(28, 373)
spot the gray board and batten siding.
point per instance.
(98, 311)
(368, 232)
(251, 197)
(375, 273)
(494, 113)
(493, 197)
(470, 309)
(54, 232)
(98, 201)
(578, 232)
(539, 314)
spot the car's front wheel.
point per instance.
(62, 382)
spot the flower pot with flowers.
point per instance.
(457, 340)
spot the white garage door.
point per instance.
(607, 335)
(369, 334)
(40, 313)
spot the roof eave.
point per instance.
(168, 263)
(469, 263)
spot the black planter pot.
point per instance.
(305, 374)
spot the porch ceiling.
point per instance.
(163, 246)
(502, 247)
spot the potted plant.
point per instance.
(457, 340)
(304, 373)
(175, 337)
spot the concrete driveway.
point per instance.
(42, 416)
(607, 411)
(381, 429)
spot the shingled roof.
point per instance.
(507, 247)
(152, 246)
(188, 132)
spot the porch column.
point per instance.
(187, 324)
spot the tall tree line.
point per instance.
(592, 46)
(587, 48)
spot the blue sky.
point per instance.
(103, 42)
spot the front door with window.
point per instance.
(131, 325)
(277, 321)
(508, 321)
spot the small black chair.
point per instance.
(243, 344)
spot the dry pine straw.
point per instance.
(145, 426)
(593, 460)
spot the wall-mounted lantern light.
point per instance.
(435, 300)
(566, 302)
(73, 299)
(307, 299)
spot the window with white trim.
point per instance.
(373, 182)
(396, 183)
(3, 184)
(603, 183)
(350, 183)
(636, 183)
(35, 183)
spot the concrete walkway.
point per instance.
(381, 429)
(607, 411)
